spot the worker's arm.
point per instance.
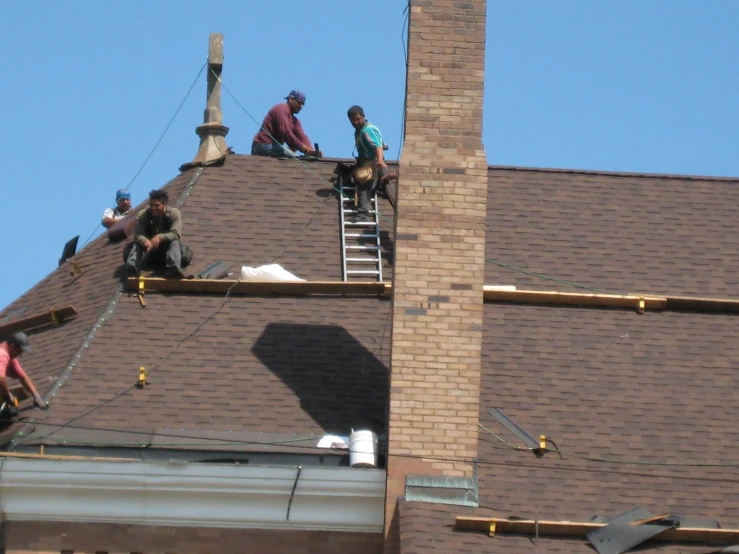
(375, 142)
(139, 234)
(292, 131)
(175, 231)
(4, 390)
(108, 220)
(27, 384)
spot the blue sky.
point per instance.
(89, 86)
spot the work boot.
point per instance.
(361, 218)
(175, 272)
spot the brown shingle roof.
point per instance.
(295, 366)
(654, 388)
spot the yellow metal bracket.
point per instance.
(491, 530)
(142, 377)
(642, 305)
(140, 293)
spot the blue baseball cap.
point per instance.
(297, 94)
(122, 194)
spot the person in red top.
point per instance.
(13, 346)
(280, 126)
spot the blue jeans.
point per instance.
(271, 149)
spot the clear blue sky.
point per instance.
(644, 86)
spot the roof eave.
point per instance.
(162, 493)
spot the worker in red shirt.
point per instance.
(280, 126)
(10, 349)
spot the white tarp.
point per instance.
(272, 272)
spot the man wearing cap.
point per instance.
(10, 349)
(123, 205)
(280, 126)
(369, 144)
(157, 238)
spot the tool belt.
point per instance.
(364, 173)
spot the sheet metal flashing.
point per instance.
(620, 535)
(459, 491)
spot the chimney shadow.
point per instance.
(340, 383)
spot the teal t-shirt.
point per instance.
(367, 140)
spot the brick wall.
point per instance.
(92, 538)
(440, 249)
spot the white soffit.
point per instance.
(193, 495)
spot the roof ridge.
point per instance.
(613, 173)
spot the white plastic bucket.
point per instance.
(363, 449)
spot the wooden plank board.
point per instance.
(490, 294)
(577, 529)
(38, 320)
(286, 288)
(698, 304)
(574, 299)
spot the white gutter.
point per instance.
(192, 495)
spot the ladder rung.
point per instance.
(360, 223)
(359, 235)
(362, 248)
(345, 199)
(356, 211)
(362, 272)
(362, 260)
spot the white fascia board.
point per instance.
(192, 495)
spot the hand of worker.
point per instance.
(11, 400)
(380, 163)
(155, 242)
(40, 402)
(146, 244)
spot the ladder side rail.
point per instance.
(344, 275)
(377, 229)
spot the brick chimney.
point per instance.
(212, 132)
(439, 251)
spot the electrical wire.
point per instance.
(406, 21)
(156, 145)
(564, 455)
(457, 459)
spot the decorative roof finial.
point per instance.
(212, 132)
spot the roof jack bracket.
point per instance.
(140, 293)
(142, 378)
(642, 305)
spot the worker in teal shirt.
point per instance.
(369, 144)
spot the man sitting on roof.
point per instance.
(13, 346)
(370, 156)
(123, 205)
(156, 240)
(281, 126)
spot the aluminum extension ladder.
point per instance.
(361, 256)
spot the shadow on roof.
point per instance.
(340, 384)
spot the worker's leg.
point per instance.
(133, 261)
(366, 192)
(269, 149)
(364, 207)
(174, 259)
